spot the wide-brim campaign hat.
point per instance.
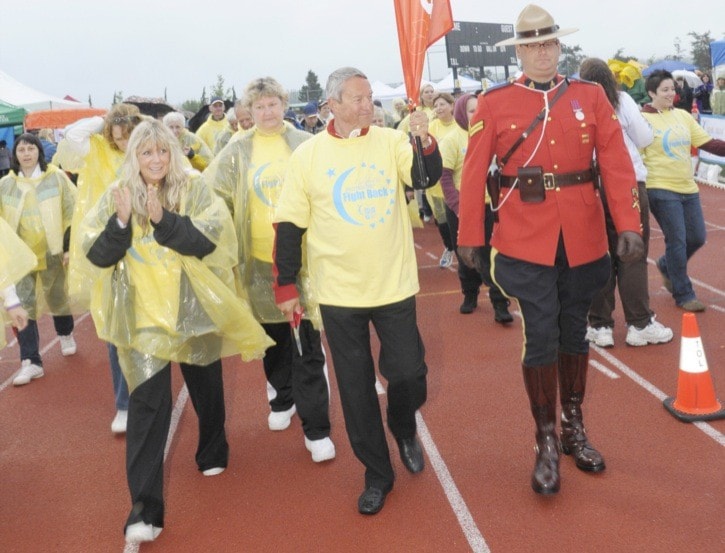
(535, 24)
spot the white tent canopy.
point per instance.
(381, 91)
(16, 93)
(465, 83)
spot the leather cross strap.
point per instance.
(562, 88)
(553, 181)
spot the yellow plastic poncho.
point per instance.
(96, 171)
(16, 261)
(50, 199)
(245, 188)
(202, 154)
(157, 305)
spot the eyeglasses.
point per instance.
(548, 45)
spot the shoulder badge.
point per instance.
(476, 127)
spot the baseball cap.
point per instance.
(216, 99)
(310, 109)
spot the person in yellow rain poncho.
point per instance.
(35, 191)
(16, 261)
(442, 125)
(248, 174)
(167, 246)
(196, 151)
(95, 148)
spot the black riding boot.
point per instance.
(541, 387)
(572, 383)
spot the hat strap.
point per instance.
(538, 32)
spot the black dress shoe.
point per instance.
(371, 500)
(501, 313)
(411, 454)
(470, 302)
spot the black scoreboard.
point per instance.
(472, 45)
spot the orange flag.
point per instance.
(420, 24)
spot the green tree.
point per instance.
(191, 105)
(570, 60)
(217, 89)
(701, 50)
(621, 56)
(311, 91)
(678, 55)
(203, 100)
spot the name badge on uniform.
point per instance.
(577, 109)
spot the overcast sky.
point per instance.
(141, 47)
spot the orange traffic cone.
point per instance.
(695, 393)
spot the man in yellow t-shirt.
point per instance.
(344, 193)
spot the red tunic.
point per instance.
(581, 121)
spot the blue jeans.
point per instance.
(120, 388)
(683, 224)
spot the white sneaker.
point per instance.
(602, 336)
(279, 420)
(446, 259)
(653, 333)
(213, 471)
(28, 371)
(67, 345)
(322, 450)
(118, 425)
(140, 532)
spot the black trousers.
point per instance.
(299, 379)
(402, 364)
(149, 418)
(554, 302)
(471, 279)
(29, 339)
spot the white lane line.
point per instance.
(465, 519)
(43, 351)
(181, 400)
(695, 281)
(655, 391)
(604, 370)
(717, 308)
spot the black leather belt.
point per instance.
(555, 180)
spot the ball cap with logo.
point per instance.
(535, 24)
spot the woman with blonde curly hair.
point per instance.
(166, 294)
(95, 148)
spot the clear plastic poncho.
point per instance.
(157, 305)
(49, 198)
(245, 189)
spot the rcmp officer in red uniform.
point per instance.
(549, 243)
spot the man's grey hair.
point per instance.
(337, 78)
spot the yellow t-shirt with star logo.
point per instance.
(349, 195)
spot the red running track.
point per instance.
(62, 481)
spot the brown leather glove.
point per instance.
(630, 246)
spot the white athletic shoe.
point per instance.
(118, 425)
(653, 333)
(279, 420)
(67, 345)
(140, 532)
(446, 259)
(321, 450)
(213, 471)
(602, 336)
(28, 371)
